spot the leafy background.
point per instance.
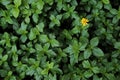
(45, 40)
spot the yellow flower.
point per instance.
(84, 21)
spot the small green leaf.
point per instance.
(99, 5)
(110, 76)
(40, 4)
(15, 57)
(117, 45)
(87, 53)
(23, 38)
(3, 72)
(15, 12)
(40, 26)
(83, 43)
(4, 58)
(32, 35)
(46, 47)
(113, 11)
(98, 52)
(17, 3)
(67, 34)
(95, 77)
(35, 18)
(86, 64)
(43, 38)
(30, 71)
(106, 1)
(95, 69)
(27, 19)
(75, 30)
(88, 74)
(45, 71)
(54, 43)
(94, 42)
(38, 47)
(14, 49)
(50, 65)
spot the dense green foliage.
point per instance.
(45, 40)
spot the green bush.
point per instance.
(59, 40)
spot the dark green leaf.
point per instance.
(94, 41)
(86, 64)
(98, 52)
(87, 53)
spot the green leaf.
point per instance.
(54, 43)
(15, 12)
(38, 47)
(51, 53)
(14, 49)
(86, 64)
(17, 3)
(95, 69)
(118, 15)
(40, 4)
(83, 43)
(94, 41)
(27, 19)
(32, 35)
(110, 76)
(113, 11)
(23, 38)
(99, 5)
(30, 71)
(3, 72)
(59, 5)
(98, 52)
(88, 74)
(46, 47)
(35, 18)
(1, 51)
(106, 1)
(5, 57)
(87, 53)
(95, 77)
(12, 78)
(45, 71)
(67, 34)
(75, 30)
(117, 45)
(50, 65)
(40, 26)
(43, 38)
(15, 58)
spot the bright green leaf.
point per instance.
(15, 12)
(106, 1)
(43, 38)
(17, 2)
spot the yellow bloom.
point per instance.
(84, 21)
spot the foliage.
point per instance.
(45, 40)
